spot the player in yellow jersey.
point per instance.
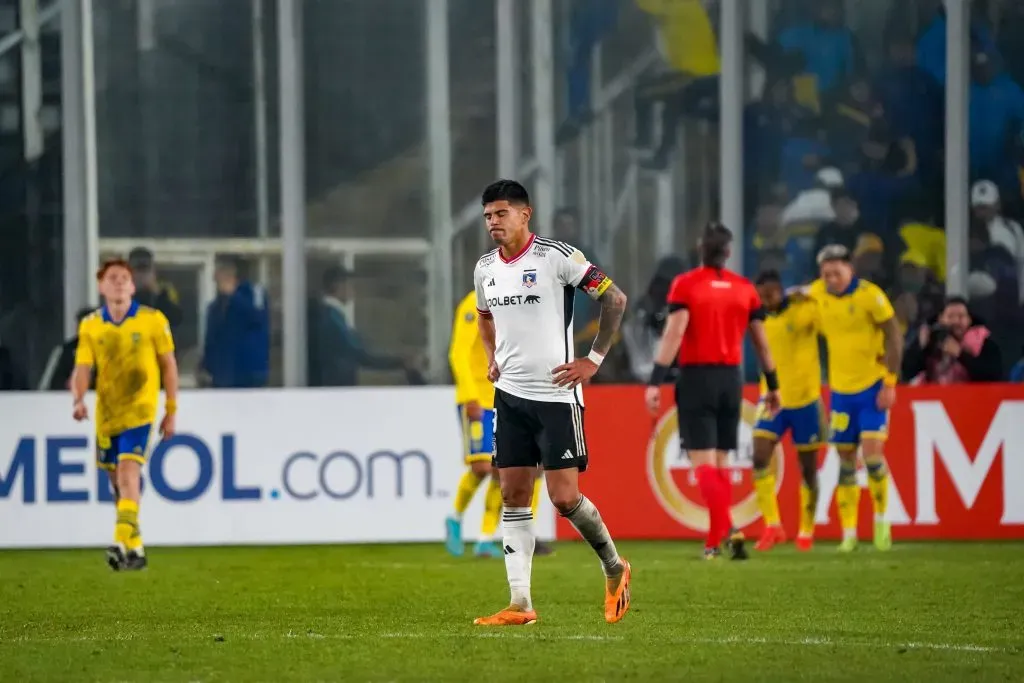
(864, 348)
(474, 395)
(132, 350)
(792, 326)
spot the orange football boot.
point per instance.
(770, 536)
(804, 543)
(616, 603)
(510, 616)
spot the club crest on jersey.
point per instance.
(529, 278)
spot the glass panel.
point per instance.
(844, 145)
(177, 160)
(366, 172)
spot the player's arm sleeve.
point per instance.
(162, 339)
(576, 271)
(481, 298)
(880, 307)
(83, 353)
(464, 336)
(678, 295)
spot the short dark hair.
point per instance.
(229, 261)
(767, 276)
(510, 191)
(955, 300)
(140, 257)
(833, 252)
(334, 276)
(714, 244)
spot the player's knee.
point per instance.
(127, 477)
(480, 468)
(809, 473)
(762, 453)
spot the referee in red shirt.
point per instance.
(709, 310)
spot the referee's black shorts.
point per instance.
(708, 401)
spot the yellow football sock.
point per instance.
(767, 501)
(878, 485)
(492, 510)
(468, 484)
(538, 483)
(127, 522)
(808, 504)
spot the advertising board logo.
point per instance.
(186, 468)
(674, 482)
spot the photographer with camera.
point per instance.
(955, 348)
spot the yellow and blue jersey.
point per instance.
(125, 356)
(851, 323)
(469, 368)
(852, 326)
(792, 333)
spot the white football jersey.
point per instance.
(530, 298)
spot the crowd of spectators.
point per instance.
(844, 148)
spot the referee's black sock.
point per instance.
(587, 520)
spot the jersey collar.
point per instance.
(529, 243)
(132, 310)
(786, 301)
(854, 283)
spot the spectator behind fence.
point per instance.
(236, 350)
(913, 102)
(829, 48)
(12, 377)
(996, 115)
(336, 351)
(149, 291)
(645, 323)
(687, 82)
(59, 376)
(931, 45)
(917, 295)
(987, 210)
(955, 349)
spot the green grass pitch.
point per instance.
(923, 612)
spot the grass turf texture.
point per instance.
(923, 612)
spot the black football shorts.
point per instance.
(529, 433)
(708, 400)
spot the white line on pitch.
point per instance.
(810, 641)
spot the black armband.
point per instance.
(658, 375)
(758, 314)
(772, 380)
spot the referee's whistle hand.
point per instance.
(652, 397)
(578, 371)
(493, 373)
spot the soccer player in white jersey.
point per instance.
(524, 295)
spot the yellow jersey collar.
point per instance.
(854, 283)
(132, 310)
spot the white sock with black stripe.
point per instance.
(519, 542)
(587, 521)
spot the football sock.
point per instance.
(587, 520)
(468, 484)
(127, 522)
(808, 506)
(492, 510)
(767, 501)
(725, 505)
(878, 485)
(518, 542)
(848, 498)
(710, 486)
(538, 491)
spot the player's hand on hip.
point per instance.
(772, 403)
(886, 398)
(168, 425)
(473, 411)
(80, 411)
(578, 371)
(652, 398)
(493, 373)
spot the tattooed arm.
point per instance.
(613, 307)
